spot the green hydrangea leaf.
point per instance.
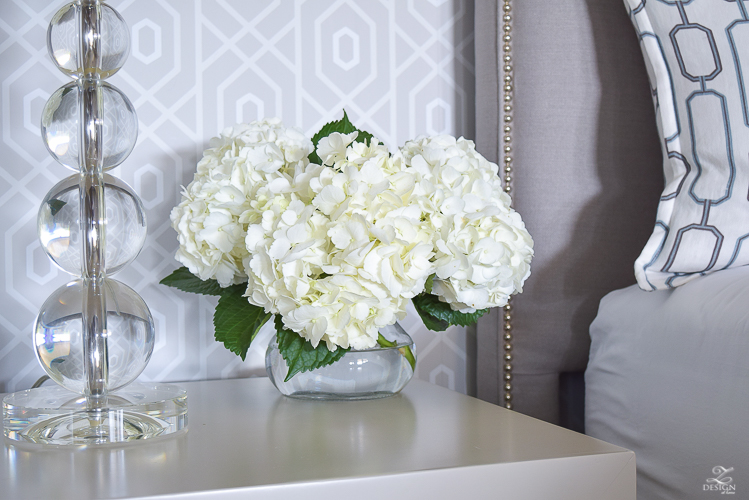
(434, 324)
(314, 158)
(55, 206)
(440, 315)
(184, 280)
(429, 283)
(236, 321)
(299, 354)
(343, 126)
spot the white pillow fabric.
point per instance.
(697, 57)
(668, 378)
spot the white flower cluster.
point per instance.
(236, 178)
(338, 249)
(343, 250)
(482, 249)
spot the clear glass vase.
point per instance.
(373, 373)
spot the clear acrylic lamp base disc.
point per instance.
(55, 416)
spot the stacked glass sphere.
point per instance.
(94, 334)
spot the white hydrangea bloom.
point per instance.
(338, 249)
(482, 249)
(332, 148)
(339, 252)
(239, 176)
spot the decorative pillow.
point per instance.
(697, 56)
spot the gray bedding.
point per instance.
(668, 377)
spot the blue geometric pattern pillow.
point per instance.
(697, 57)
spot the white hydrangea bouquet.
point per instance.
(334, 235)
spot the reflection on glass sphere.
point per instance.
(58, 336)
(60, 125)
(62, 41)
(58, 224)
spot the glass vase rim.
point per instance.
(377, 347)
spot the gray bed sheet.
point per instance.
(668, 377)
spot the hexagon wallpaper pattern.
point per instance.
(400, 68)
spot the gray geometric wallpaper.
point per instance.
(400, 68)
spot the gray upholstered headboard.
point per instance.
(587, 178)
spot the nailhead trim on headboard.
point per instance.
(507, 150)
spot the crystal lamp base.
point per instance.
(55, 416)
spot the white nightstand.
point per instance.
(427, 442)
